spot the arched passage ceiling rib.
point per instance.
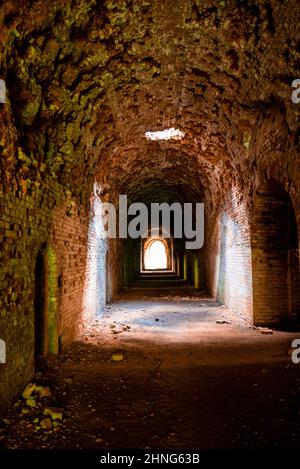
(87, 79)
(147, 170)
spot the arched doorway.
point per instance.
(156, 255)
(275, 257)
(40, 307)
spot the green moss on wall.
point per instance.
(52, 301)
(196, 272)
(185, 267)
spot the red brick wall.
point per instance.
(229, 256)
(275, 219)
(114, 274)
(94, 280)
(276, 287)
(29, 224)
(248, 258)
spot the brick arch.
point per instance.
(275, 256)
(274, 167)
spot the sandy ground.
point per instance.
(190, 375)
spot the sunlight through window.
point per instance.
(156, 257)
(167, 134)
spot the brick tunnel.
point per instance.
(149, 341)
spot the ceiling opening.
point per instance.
(167, 134)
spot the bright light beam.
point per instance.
(156, 257)
(167, 134)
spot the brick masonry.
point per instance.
(229, 256)
(253, 235)
(84, 84)
(75, 259)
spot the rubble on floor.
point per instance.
(35, 410)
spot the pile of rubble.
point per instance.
(37, 411)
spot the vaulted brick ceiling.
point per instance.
(87, 79)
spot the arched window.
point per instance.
(156, 256)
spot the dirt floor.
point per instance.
(166, 372)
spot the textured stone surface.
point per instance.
(85, 80)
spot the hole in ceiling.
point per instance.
(167, 134)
